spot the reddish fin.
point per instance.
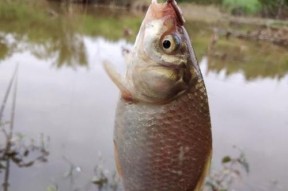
(200, 183)
(117, 162)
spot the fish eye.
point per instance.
(170, 43)
(166, 44)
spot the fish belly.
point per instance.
(163, 147)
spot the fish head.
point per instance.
(163, 64)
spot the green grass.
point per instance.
(248, 6)
(24, 19)
(19, 10)
(37, 25)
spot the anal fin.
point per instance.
(200, 183)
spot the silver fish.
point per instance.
(162, 132)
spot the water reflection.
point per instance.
(62, 37)
(71, 106)
(276, 68)
(251, 114)
(70, 50)
(66, 47)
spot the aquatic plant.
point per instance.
(15, 148)
(102, 179)
(232, 169)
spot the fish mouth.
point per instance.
(170, 8)
(177, 10)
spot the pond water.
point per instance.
(65, 96)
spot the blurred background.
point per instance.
(57, 103)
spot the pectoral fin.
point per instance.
(118, 80)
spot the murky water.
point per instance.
(65, 96)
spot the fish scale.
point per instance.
(149, 154)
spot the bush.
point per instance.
(202, 1)
(239, 7)
(275, 8)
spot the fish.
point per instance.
(162, 132)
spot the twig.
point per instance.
(6, 177)
(7, 94)
(8, 141)
(4, 130)
(13, 105)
